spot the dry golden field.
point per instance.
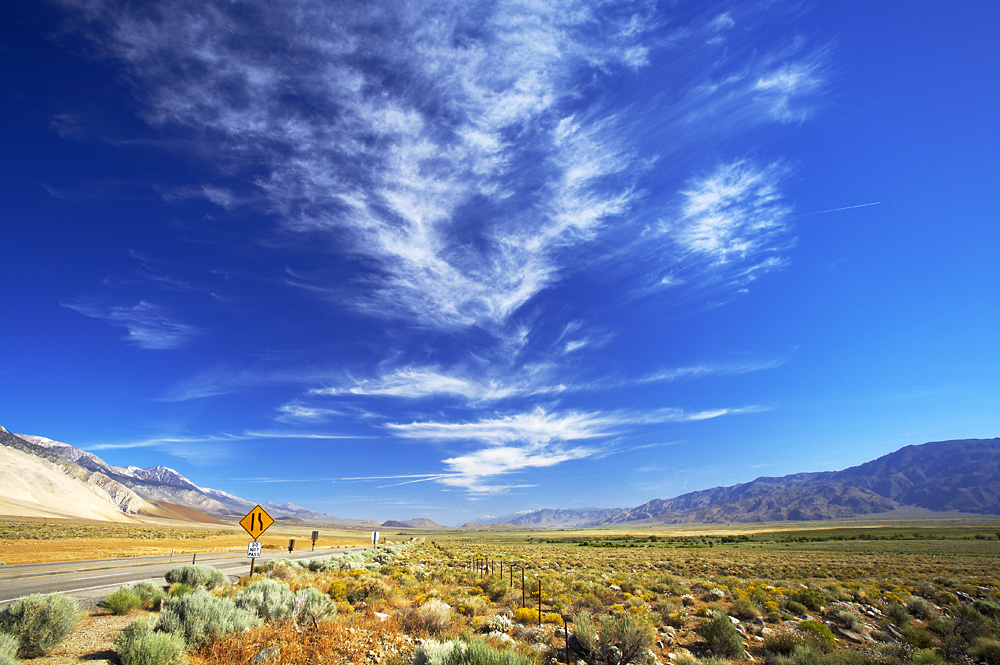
(38, 540)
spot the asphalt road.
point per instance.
(89, 580)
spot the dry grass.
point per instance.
(42, 541)
(359, 639)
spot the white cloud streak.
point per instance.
(535, 439)
(149, 326)
(433, 381)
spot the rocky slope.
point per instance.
(36, 483)
(156, 490)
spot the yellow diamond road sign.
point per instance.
(256, 522)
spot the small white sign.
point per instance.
(253, 549)
(375, 536)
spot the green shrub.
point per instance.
(196, 576)
(282, 569)
(782, 642)
(917, 637)
(179, 589)
(926, 657)
(941, 625)
(626, 633)
(805, 655)
(986, 650)
(919, 608)
(268, 599)
(40, 622)
(722, 637)
(311, 605)
(498, 623)
(434, 616)
(986, 608)
(818, 635)
(850, 620)
(432, 652)
(797, 608)
(811, 598)
(121, 602)
(744, 609)
(896, 612)
(139, 644)
(472, 652)
(632, 637)
(199, 616)
(149, 594)
(9, 644)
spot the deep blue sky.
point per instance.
(454, 259)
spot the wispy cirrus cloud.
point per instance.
(735, 212)
(389, 170)
(149, 326)
(456, 150)
(534, 439)
(171, 441)
(414, 382)
(712, 369)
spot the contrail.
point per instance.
(821, 212)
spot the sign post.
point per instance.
(375, 537)
(315, 536)
(256, 522)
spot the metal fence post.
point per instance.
(539, 602)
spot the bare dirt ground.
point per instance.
(93, 641)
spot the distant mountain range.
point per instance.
(418, 523)
(155, 491)
(944, 476)
(42, 477)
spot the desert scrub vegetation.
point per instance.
(196, 576)
(141, 644)
(123, 601)
(40, 623)
(880, 602)
(473, 651)
(623, 639)
(9, 645)
(199, 617)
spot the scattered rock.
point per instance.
(264, 655)
(851, 635)
(380, 616)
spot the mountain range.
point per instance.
(45, 478)
(156, 491)
(944, 476)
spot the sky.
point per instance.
(458, 260)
